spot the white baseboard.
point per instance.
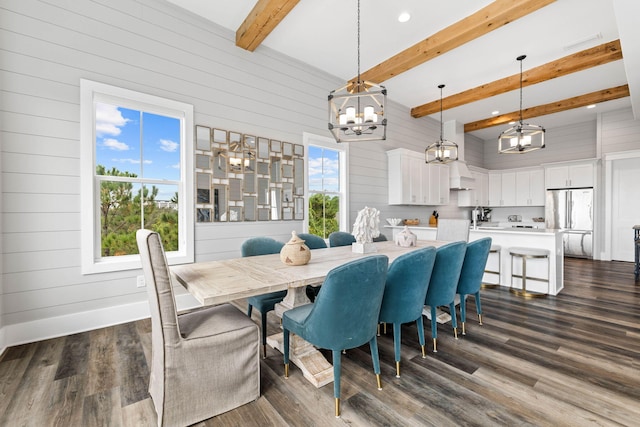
(42, 329)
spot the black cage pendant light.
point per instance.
(522, 137)
(356, 110)
(441, 151)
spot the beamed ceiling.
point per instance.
(579, 52)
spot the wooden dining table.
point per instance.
(217, 282)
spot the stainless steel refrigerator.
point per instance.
(571, 210)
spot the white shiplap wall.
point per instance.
(151, 46)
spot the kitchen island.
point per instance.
(538, 238)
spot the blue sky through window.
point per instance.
(324, 169)
(120, 133)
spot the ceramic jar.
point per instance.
(295, 252)
(406, 238)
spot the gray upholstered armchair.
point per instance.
(204, 362)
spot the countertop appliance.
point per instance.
(571, 210)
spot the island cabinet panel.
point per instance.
(413, 182)
(574, 175)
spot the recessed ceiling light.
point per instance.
(404, 17)
(495, 113)
(512, 123)
(591, 106)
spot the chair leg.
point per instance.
(479, 307)
(454, 320)
(420, 325)
(434, 328)
(373, 345)
(396, 346)
(285, 345)
(463, 312)
(264, 335)
(336, 379)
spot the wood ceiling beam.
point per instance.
(263, 18)
(553, 107)
(598, 55)
(487, 19)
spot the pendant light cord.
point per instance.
(358, 46)
(521, 58)
(441, 125)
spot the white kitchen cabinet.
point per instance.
(495, 189)
(577, 175)
(479, 194)
(530, 189)
(508, 189)
(413, 182)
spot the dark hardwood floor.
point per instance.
(568, 360)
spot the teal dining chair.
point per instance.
(313, 242)
(341, 318)
(404, 294)
(341, 238)
(266, 302)
(444, 284)
(475, 261)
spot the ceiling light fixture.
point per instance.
(441, 151)
(356, 110)
(522, 137)
(404, 17)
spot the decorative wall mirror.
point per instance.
(287, 150)
(263, 191)
(235, 164)
(219, 202)
(203, 138)
(249, 163)
(287, 192)
(263, 168)
(235, 142)
(276, 169)
(249, 183)
(235, 189)
(203, 185)
(298, 207)
(203, 161)
(263, 148)
(249, 142)
(263, 214)
(249, 208)
(275, 203)
(235, 213)
(287, 214)
(275, 146)
(219, 136)
(287, 171)
(298, 150)
(298, 177)
(219, 163)
(203, 215)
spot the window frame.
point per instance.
(90, 94)
(343, 156)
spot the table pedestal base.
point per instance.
(315, 368)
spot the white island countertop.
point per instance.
(537, 238)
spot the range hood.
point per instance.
(459, 176)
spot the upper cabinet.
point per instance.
(413, 182)
(479, 194)
(570, 175)
(516, 188)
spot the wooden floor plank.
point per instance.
(572, 359)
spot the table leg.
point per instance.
(312, 363)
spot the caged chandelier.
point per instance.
(441, 151)
(356, 110)
(522, 137)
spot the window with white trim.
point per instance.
(137, 172)
(327, 185)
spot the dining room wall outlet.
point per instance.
(140, 282)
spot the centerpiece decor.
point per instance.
(365, 228)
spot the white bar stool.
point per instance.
(524, 254)
(493, 250)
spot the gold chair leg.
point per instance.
(435, 349)
(397, 369)
(378, 381)
(480, 319)
(286, 370)
(455, 333)
(385, 327)
(378, 329)
(424, 353)
(464, 332)
(337, 407)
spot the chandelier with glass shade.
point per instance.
(522, 137)
(441, 151)
(356, 110)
